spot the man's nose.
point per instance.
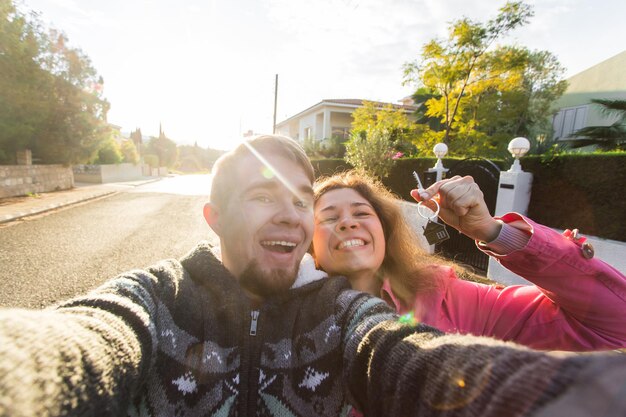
(288, 214)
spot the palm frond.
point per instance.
(611, 107)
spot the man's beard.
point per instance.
(267, 283)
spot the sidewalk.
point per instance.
(14, 208)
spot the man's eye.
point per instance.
(328, 219)
(301, 204)
(262, 199)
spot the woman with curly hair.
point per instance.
(576, 303)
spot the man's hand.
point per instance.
(462, 207)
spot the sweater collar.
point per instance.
(307, 272)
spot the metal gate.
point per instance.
(459, 247)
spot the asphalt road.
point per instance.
(70, 251)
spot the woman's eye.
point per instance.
(362, 214)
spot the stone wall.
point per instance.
(100, 174)
(17, 180)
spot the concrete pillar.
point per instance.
(514, 192)
(513, 195)
(327, 128)
(24, 157)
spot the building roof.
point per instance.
(349, 103)
(607, 75)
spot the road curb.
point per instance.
(53, 206)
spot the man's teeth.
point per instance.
(278, 243)
(352, 242)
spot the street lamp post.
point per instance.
(513, 196)
(440, 150)
(518, 147)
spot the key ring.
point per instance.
(420, 209)
(421, 203)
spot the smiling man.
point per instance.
(264, 219)
(248, 336)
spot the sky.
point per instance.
(205, 70)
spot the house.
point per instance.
(606, 80)
(331, 118)
(116, 133)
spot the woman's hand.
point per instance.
(462, 207)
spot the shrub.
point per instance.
(371, 152)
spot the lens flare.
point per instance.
(408, 319)
(267, 173)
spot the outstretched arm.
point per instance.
(84, 358)
(576, 303)
(414, 370)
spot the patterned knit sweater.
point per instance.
(180, 339)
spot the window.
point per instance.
(307, 133)
(569, 120)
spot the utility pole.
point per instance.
(275, 102)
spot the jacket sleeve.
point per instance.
(85, 357)
(576, 303)
(393, 368)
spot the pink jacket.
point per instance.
(576, 303)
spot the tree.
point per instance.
(23, 85)
(371, 152)
(196, 158)
(517, 105)
(108, 153)
(456, 69)
(137, 138)
(129, 152)
(371, 116)
(164, 148)
(50, 95)
(612, 137)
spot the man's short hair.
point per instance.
(225, 169)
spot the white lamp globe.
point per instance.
(440, 150)
(518, 147)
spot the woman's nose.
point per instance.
(347, 223)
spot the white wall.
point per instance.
(100, 174)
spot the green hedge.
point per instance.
(587, 192)
(583, 191)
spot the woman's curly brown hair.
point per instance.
(404, 260)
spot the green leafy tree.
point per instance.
(371, 152)
(108, 153)
(129, 152)
(164, 148)
(24, 87)
(152, 160)
(372, 117)
(196, 158)
(515, 104)
(50, 95)
(606, 138)
(456, 69)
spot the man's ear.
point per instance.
(212, 217)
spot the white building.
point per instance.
(606, 80)
(330, 118)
